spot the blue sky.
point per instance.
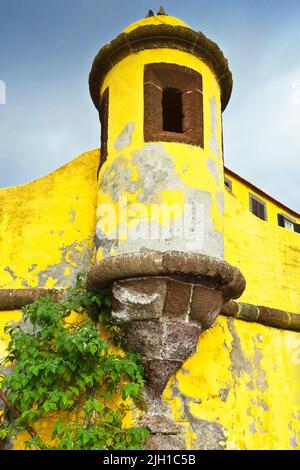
(46, 51)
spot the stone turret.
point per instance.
(160, 89)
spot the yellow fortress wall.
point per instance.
(241, 389)
(47, 226)
(267, 255)
(242, 386)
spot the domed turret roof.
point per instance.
(156, 20)
(156, 32)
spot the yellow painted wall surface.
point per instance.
(267, 255)
(241, 389)
(241, 191)
(189, 168)
(47, 226)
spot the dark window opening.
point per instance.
(228, 184)
(258, 208)
(172, 110)
(173, 104)
(103, 114)
(286, 222)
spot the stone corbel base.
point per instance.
(163, 301)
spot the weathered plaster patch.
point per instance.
(116, 179)
(252, 428)
(15, 277)
(213, 143)
(125, 137)
(220, 202)
(32, 267)
(102, 241)
(11, 273)
(223, 394)
(261, 376)
(240, 363)
(210, 435)
(76, 257)
(294, 441)
(156, 173)
(262, 404)
(73, 216)
(214, 169)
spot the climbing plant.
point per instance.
(64, 368)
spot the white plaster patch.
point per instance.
(214, 169)
(192, 229)
(125, 137)
(213, 143)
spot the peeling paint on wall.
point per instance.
(214, 142)
(125, 138)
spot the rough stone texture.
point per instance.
(206, 305)
(145, 337)
(177, 299)
(159, 425)
(230, 309)
(165, 442)
(195, 268)
(139, 299)
(103, 115)
(14, 299)
(159, 76)
(157, 374)
(162, 318)
(163, 313)
(264, 315)
(248, 311)
(180, 340)
(271, 316)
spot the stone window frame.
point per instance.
(104, 116)
(162, 75)
(253, 197)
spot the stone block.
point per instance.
(138, 299)
(177, 299)
(205, 306)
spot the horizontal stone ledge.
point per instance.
(262, 315)
(194, 268)
(14, 299)
(161, 36)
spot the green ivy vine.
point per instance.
(69, 370)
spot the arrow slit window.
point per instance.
(173, 104)
(103, 114)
